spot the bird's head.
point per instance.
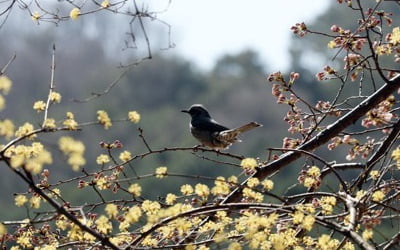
(197, 110)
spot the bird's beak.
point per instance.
(185, 111)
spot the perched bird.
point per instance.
(212, 134)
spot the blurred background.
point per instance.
(222, 52)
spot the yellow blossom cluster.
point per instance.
(367, 234)
(55, 97)
(125, 156)
(161, 172)
(221, 186)
(395, 36)
(135, 189)
(103, 225)
(267, 184)
(25, 130)
(70, 122)
(252, 195)
(150, 207)
(378, 196)
(170, 199)
(374, 174)
(306, 221)
(134, 116)
(102, 159)
(49, 123)
(105, 4)
(249, 164)
(74, 150)
(5, 86)
(7, 128)
(20, 200)
(102, 183)
(396, 157)
(111, 210)
(202, 190)
(77, 234)
(32, 158)
(104, 119)
(74, 13)
(3, 229)
(187, 189)
(39, 106)
(311, 178)
(327, 203)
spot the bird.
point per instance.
(212, 134)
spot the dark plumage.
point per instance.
(210, 133)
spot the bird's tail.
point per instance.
(230, 135)
(247, 127)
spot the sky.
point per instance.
(204, 30)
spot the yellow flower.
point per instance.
(102, 183)
(135, 189)
(298, 217)
(134, 116)
(24, 130)
(249, 164)
(134, 214)
(34, 201)
(308, 182)
(232, 179)
(74, 14)
(378, 196)
(202, 190)
(235, 246)
(308, 222)
(102, 159)
(396, 154)
(7, 128)
(348, 246)
(111, 210)
(395, 37)
(74, 149)
(39, 106)
(55, 97)
(360, 194)
(151, 207)
(170, 199)
(125, 156)
(3, 229)
(20, 200)
(253, 182)
(24, 239)
(161, 172)
(374, 174)
(2, 102)
(314, 171)
(35, 16)
(103, 118)
(367, 234)
(256, 196)
(62, 222)
(105, 4)
(5, 84)
(332, 44)
(103, 225)
(267, 184)
(186, 189)
(49, 123)
(70, 123)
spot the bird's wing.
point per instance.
(231, 135)
(208, 125)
